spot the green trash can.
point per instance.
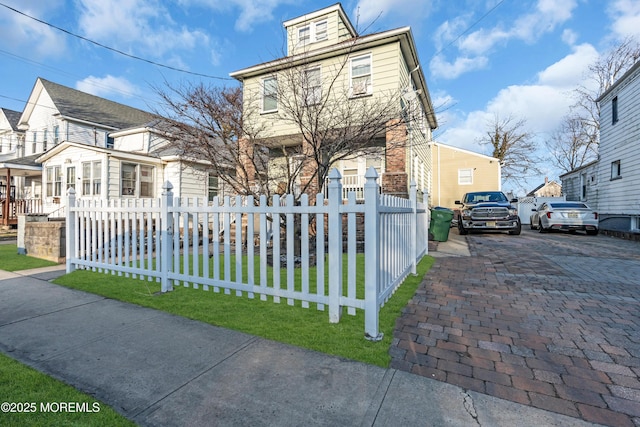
(440, 223)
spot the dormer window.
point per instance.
(311, 33)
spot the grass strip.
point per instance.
(11, 261)
(304, 327)
(30, 398)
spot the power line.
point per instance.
(469, 28)
(113, 49)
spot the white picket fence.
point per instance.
(175, 242)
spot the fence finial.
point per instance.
(167, 186)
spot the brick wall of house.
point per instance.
(395, 179)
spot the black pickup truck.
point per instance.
(486, 211)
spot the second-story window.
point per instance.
(269, 95)
(46, 140)
(34, 141)
(614, 110)
(361, 75)
(56, 136)
(312, 86)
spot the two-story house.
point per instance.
(333, 82)
(100, 148)
(618, 191)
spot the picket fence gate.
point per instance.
(189, 242)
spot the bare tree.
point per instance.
(514, 146)
(573, 144)
(578, 135)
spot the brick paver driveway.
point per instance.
(547, 320)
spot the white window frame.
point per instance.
(635, 223)
(312, 33)
(92, 178)
(143, 177)
(54, 181)
(273, 94)
(465, 176)
(357, 88)
(616, 170)
(213, 186)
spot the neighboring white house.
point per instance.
(618, 179)
(581, 184)
(100, 148)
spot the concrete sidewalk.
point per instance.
(159, 369)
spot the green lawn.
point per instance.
(11, 261)
(303, 327)
(34, 400)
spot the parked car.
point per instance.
(486, 211)
(568, 216)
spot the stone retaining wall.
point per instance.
(46, 240)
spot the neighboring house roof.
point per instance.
(13, 117)
(118, 153)
(586, 165)
(533, 192)
(81, 106)
(451, 147)
(402, 35)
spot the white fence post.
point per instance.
(413, 196)
(371, 255)
(166, 238)
(335, 246)
(427, 213)
(70, 250)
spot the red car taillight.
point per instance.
(549, 215)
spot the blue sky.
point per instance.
(480, 57)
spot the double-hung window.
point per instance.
(71, 177)
(312, 86)
(91, 178)
(465, 176)
(311, 33)
(269, 94)
(212, 186)
(614, 110)
(361, 75)
(136, 180)
(54, 181)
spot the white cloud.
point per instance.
(543, 103)
(136, 25)
(108, 85)
(252, 12)
(21, 33)
(439, 67)
(548, 14)
(367, 11)
(570, 70)
(626, 18)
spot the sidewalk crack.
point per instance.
(469, 407)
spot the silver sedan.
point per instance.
(568, 216)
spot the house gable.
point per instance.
(318, 29)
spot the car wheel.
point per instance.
(516, 231)
(540, 227)
(463, 231)
(592, 232)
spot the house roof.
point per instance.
(402, 35)
(629, 72)
(451, 147)
(43, 157)
(21, 166)
(544, 184)
(579, 168)
(13, 117)
(80, 106)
